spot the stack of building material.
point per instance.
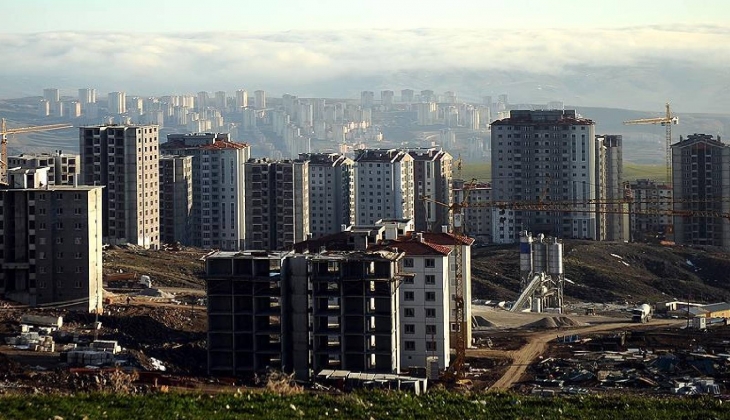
(89, 358)
(46, 344)
(106, 345)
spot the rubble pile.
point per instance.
(550, 322)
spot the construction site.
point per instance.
(155, 337)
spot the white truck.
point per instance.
(641, 314)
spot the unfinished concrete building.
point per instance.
(176, 199)
(302, 313)
(63, 167)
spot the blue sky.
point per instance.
(282, 15)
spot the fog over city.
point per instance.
(629, 67)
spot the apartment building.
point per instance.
(612, 210)
(63, 167)
(331, 192)
(176, 199)
(125, 160)
(544, 156)
(218, 182)
(701, 185)
(384, 185)
(302, 313)
(433, 178)
(650, 205)
(50, 242)
(277, 203)
(477, 221)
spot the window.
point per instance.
(410, 345)
(430, 279)
(410, 328)
(431, 346)
(430, 312)
(430, 296)
(430, 263)
(408, 280)
(409, 312)
(430, 329)
(408, 262)
(408, 296)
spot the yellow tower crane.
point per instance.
(667, 120)
(5, 131)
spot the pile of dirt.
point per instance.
(170, 268)
(550, 322)
(479, 322)
(155, 293)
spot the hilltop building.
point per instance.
(701, 185)
(50, 242)
(543, 156)
(218, 183)
(125, 160)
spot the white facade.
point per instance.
(424, 311)
(241, 99)
(117, 102)
(384, 184)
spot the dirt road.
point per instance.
(537, 342)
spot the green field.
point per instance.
(365, 405)
(632, 171)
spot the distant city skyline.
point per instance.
(620, 54)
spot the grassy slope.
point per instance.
(370, 405)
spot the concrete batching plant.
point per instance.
(541, 274)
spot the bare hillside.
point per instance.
(608, 272)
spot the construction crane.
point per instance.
(5, 131)
(456, 219)
(667, 120)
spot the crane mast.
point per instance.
(5, 131)
(667, 120)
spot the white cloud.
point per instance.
(161, 63)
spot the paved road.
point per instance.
(537, 343)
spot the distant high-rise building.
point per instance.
(331, 192)
(87, 96)
(450, 97)
(63, 167)
(536, 138)
(50, 242)
(202, 100)
(220, 100)
(701, 184)
(277, 203)
(219, 204)
(125, 160)
(241, 99)
(259, 99)
(386, 98)
(427, 95)
(52, 95)
(427, 113)
(406, 95)
(433, 176)
(117, 103)
(367, 99)
(176, 199)
(384, 185)
(44, 108)
(612, 212)
(477, 215)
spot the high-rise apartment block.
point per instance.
(701, 181)
(176, 199)
(87, 96)
(277, 203)
(384, 185)
(544, 156)
(367, 99)
(63, 167)
(386, 98)
(302, 313)
(331, 192)
(50, 242)
(117, 103)
(241, 100)
(433, 178)
(477, 214)
(612, 210)
(219, 205)
(125, 160)
(259, 99)
(651, 205)
(406, 95)
(427, 113)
